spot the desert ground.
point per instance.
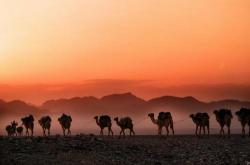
(141, 149)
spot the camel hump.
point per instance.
(127, 121)
(105, 118)
(164, 115)
(243, 112)
(205, 115)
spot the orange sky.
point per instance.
(175, 42)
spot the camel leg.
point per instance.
(200, 132)
(63, 132)
(44, 134)
(110, 130)
(243, 130)
(123, 131)
(172, 129)
(249, 130)
(49, 131)
(208, 132)
(167, 131)
(120, 134)
(32, 132)
(69, 132)
(27, 132)
(159, 130)
(196, 130)
(133, 132)
(204, 131)
(101, 132)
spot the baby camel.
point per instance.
(201, 120)
(19, 130)
(65, 121)
(224, 117)
(28, 123)
(11, 129)
(125, 123)
(45, 123)
(244, 118)
(104, 121)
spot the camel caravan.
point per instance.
(164, 120)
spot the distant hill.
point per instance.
(119, 104)
(17, 107)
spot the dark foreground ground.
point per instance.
(90, 149)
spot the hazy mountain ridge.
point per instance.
(125, 103)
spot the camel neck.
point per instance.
(97, 121)
(153, 120)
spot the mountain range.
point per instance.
(118, 104)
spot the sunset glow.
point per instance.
(171, 42)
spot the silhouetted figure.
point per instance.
(11, 129)
(65, 121)
(244, 118)
(45, 123)
(166, 117)
(224, 117)
(201, 120)
(125, 123)
(28, 123)
(104, 121)
(19, 130)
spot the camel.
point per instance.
(45, 123)
(65, 122)
(224, 117)
(164, 120)
(125, 123)
(201, 120)
(28, 123)
(19, 130)
(11, 129)
(104, 121)
(244, 117)
(168, 120)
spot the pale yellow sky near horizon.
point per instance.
(176, 42)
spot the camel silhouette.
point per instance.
(45, 123)
(19, 130)
(104, 121)
(125, 123)
(224, 117)
(163, 120)
(28, 123)
(201, 121)
(11, 129)
(65, 122)
(244, 117)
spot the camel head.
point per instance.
(96, 117)
(216, 112)
(239, 115)
(116, 119)
(191, 116)
(40, 121)
(151, 115)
